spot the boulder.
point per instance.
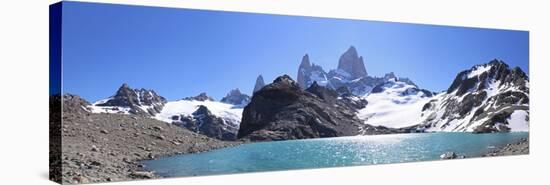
(448, 155)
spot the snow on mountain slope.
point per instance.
(130, 101)
(94, 108)
(187, 107)
(490, 97)
(211, 118)
(477, 70)
(519, 121)
(394, 104)
(199, 113)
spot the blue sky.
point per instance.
(182, 52)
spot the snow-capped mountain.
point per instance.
(351, 74)
(486, 98)
(489, 97)
(351, 69)
(130, 101)
(394, 104)
(200, 113)
(309, 72)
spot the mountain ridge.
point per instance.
(489, 97)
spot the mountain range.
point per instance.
(490, 97)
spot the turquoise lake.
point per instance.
(330, 152)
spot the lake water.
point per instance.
(330, 152)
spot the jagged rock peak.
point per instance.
(124, 89)
(259, 83)
(389, 76)
(140, 101)
(128, 97)
(305, 61)
(202, 110)
(308, 72)
(480, 76)
(235, 92)
(304, 72)
(201, 97)
(352, 63)
(235, 97)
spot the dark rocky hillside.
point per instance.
(282, 110)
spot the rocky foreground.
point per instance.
(108, 147)
(518, 148)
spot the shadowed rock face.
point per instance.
(202, 121)
(303, 76)
(259, 83)
(352, 63)
(235, 97)
(282, 110)
(136, 100)
(340, 98)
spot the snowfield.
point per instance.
(108, 109)
(392, 108)
(187, 107)
(479, 70)
(519, 121)
(225, 111)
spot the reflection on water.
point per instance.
(329, 152)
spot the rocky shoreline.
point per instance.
(518, 148)
(108, 147)
(105, 147)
